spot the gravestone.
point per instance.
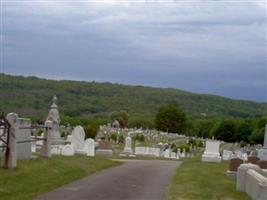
(227, 155)
(241, 175)
(90, 147)
(67, 150)
(12, 119)
(262, 164)
(104, 148)
(167, 153)
(233, 167)
(253, 160)
(183, 153)
(173, 155)
(24, 149)
(128, 146)
(77, 138)
(211, 153)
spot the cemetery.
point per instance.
(232, 171)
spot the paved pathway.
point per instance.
(134, 180)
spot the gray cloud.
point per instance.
(208, 47)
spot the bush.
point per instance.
(121, 139)
(113, 137)
(184, 146)
(139, 137)
(90, 131)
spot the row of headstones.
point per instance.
(150, 151)
(236, 162)
(19, 140)
(75, 144)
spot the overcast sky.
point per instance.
(216, 47)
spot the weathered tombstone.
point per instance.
(24, 134)
(67, 150)
(212, 153)
(140, 150)
(262, 164)
(104, 148)
(77, 139)
(11, 150)
(253, 160)
(227, 155)
(234, 164)
(46, 148)
(173, 155)
(241, 175)
(183, 153)
(90, 147)
(128, 146)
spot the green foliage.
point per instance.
(244, 130)
(113, 137)
(32, 96)
(183, 147)
(121, 139)
(224, 130)
(90, 131)
(139, 137)
(201, 127)
(197, 180)
(121, 116)
(171, 119)
(257, 135)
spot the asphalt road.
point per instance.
(134, 180)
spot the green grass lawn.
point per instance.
(195, 180)
(33, 177)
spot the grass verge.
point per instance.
(33, 177)
(195, 180)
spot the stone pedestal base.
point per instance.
(104, 152)
(211, 158)
(231, 174)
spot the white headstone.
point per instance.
(78, 136)
(90, 147)
(167, 153)
(173, 155)
(227, 155)
(67, 150)
(212, 153)
(128, 146)
(24, 149)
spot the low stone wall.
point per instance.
(256, 185)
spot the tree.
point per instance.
(243, 130)
(90, 131)
(122, 117)
(257, 135)
(224, 130)
(171, 119)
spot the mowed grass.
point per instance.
(195, 180)
(33, 177)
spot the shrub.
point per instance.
(90, 131)
(113, 137)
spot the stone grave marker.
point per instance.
(233, 167)
(253, 160)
